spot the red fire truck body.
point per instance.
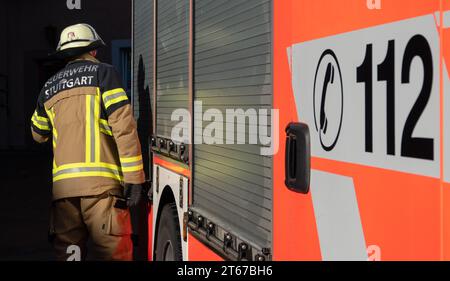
(369, 79)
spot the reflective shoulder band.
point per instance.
(114, 96)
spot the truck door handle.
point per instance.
(297, 157)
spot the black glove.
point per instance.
(133, 194)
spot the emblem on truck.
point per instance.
(328, 100)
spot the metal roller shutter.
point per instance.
(143, 74)
(233, 69)
(172, 62)
(143, 57)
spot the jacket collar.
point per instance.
(85, 57)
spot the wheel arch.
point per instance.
(167, 197)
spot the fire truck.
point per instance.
(357, 96)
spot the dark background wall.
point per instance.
(29, 31)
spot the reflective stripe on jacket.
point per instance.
(86, 113)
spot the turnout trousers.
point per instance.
(103, 219)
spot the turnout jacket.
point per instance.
(85, 112)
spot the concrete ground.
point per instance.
(25, 196)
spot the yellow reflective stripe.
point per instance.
(116, 100)
(131, 159)
(113, 96)
(104, 122)
(88, 128)
(79, 169)
(114, 170)
(40, 122)
(88, 174)
(105, 128)
(131, 164)
(112, 92)
(96, 126)
(133, 168)
(75, 170)
(106, 132)
(87, 165)
(55, 133)
(51, 115)
(92, 128)
(40, 118)
(39, 125)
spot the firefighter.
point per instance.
(97, 168)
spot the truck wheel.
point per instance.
(168, 244)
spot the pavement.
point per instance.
(25, 189)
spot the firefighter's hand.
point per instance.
(133, 194)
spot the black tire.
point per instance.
(168, 244)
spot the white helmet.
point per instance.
(78, 39)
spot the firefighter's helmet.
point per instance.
(76, 40)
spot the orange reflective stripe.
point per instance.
(171, 166)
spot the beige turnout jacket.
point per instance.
(86, 113)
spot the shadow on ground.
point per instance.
(25, 188)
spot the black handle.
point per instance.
(297, 157)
